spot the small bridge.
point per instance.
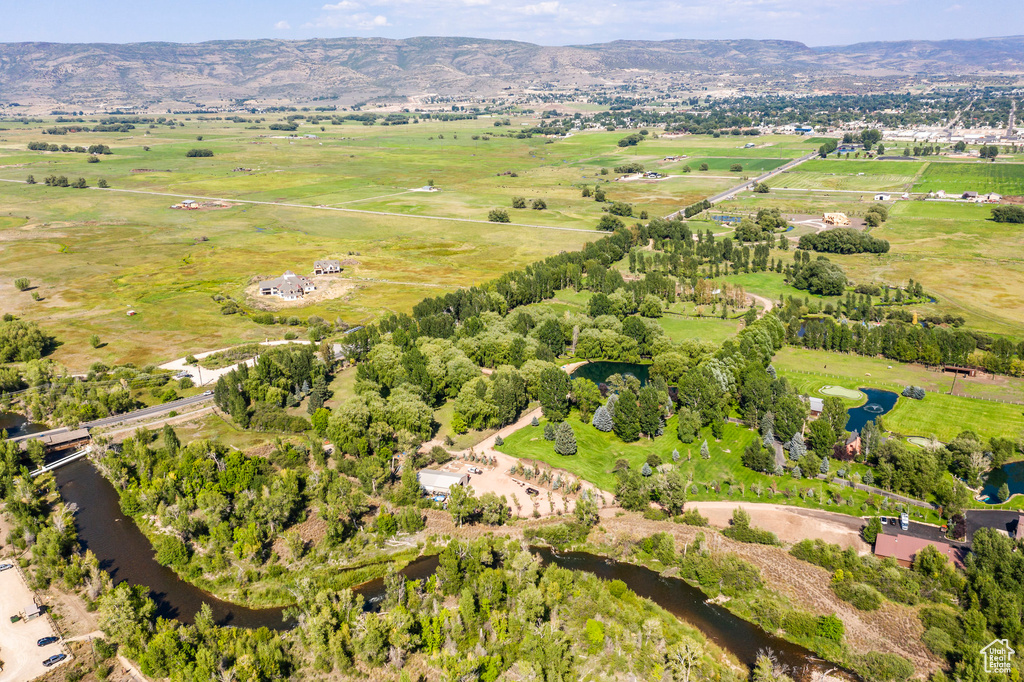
(64, 460)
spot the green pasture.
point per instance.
(976, 176)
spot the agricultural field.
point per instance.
(978, 176)
(94, 254)
(849, 175)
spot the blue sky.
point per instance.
(548, 22)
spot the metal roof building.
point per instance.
(440, 482)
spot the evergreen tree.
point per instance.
(796, 447)
(705, 451)
(549, 431)
(797, 473)
(646, 470)
(650, 411)
(553, 392)
(824, 467)
(627, 417)
(534, 422)
(603, 420)
(675, 455)
(565, 440)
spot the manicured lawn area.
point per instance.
(939, 415)
(712, 329)
(598, 452)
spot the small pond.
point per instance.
(879, 402)
(598, 372)
(1011, 474)
(17, 425)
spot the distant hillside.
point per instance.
(221, 71)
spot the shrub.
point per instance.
(498, 215)
(914, 392)
(692, 517)
(938, 641)
(876, 666)
(539, 205)
(800, 624)
(559, 535)
(860, 595)
(22, 283)
(736, 168)
(830, 627)
(1008, 214)
(518, 202)
(194, 153)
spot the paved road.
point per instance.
(748, 183)
(147, 411)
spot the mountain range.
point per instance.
(223, 71)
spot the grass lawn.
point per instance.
(939, 415)
(598, 452)
(713, 329)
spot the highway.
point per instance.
(126, 417)
(748, 183)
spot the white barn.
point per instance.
(440, 482)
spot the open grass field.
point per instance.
(975, 176)
(939, 415)
(94, 254)
(971, 264)
(850, 174)
(598, 452)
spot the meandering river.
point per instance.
(127, 554)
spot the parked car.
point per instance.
(46, 641)
(6, 567)
(474, 470)
(904, 521)
(54, 660)
(532, 491)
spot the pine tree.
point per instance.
(824, 466)
(768, 424)
(705, 451)
(675, 455)
(797, 473)
(602, 419)
(869, 478)
(646, 469)
(534, 422)
(797, 449)
(565, 440)
(650, 411)
(549, 431)
(626, 417)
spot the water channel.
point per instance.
(127, 554)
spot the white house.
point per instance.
(881, 196)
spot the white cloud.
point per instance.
(282, 25)
(550, 7)
(342, 6)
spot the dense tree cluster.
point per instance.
(843, 240)
(256, 397)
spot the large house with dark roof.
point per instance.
(288, 286)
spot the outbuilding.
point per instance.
(440, 482)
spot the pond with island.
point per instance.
(1011, 474)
